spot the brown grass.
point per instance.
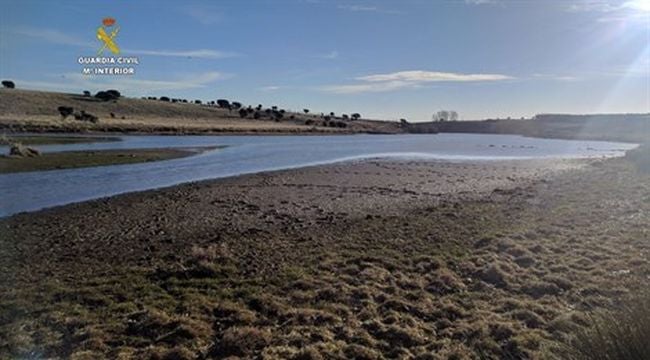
(510, 275)
(36, 111)
(621, 333)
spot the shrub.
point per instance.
(8, 84)
(198, 102)
(356, 116)
(236, 105)
(257, 115)
(164, 98)
(306, 111)
(243, 113)
(223, 103)
(23, 151)
(108, 95)
(84, 116)
(65, 111)
(619, 334)
(86, 93)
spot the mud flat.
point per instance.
(80, 159)
(373, 259)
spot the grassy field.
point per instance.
(36, 111)
(79, 159)
(240, 268)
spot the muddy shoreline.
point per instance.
(371, 259)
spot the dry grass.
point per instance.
(513, 275)
(622, 333)
(36, 111)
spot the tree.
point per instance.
(86, 93)
(332, 114)
(198, 102)
(442, 115)
(236, 105)
(164, 98)
(223, 103)
(306, 111)
(445, 115)
(8, 84)
(243, 113)
(108, 95)
(356, 116)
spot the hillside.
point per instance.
(36, 111)
(619, 127)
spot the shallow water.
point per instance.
(249, 154)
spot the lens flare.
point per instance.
(642, 5)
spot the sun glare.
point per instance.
(643, 5)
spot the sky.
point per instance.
(383, 59)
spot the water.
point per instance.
(249, 154)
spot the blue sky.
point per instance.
(384, 59)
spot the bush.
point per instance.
(236, 105)
(306, 111)
(621, 334)
(8, 84)
(108, 95)
(164, 98)
(65, 111)
(23, 151)
(355, 116)
(223, 104)
(243, 113)
(84, 116)
(86, 93)
(640, 157)
(198, 102)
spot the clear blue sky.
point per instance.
(384, 59)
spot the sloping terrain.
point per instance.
(36, 111)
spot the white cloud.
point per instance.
(481, 2)
(407, 79)
(330, 55)
(555, 77)
(204, 15)
(53, 36)
(269, 88)
(594, 6)
(429, 76)
(201, 53)
(367, 8)
(76, 82)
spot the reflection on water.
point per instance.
(249, 154)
